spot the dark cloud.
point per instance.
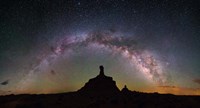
(196, 81)
(53, 72)
(5, 82)
(167, 86)
(109, 39)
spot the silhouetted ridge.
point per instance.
(100, 92)
(100, 85)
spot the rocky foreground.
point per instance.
(100, 92)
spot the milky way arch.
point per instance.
(143, 60)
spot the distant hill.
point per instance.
(100, 92)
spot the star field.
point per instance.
(56, 46)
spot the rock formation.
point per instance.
(100, 85)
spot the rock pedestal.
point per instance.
(100, 85)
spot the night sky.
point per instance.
(56, 46)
